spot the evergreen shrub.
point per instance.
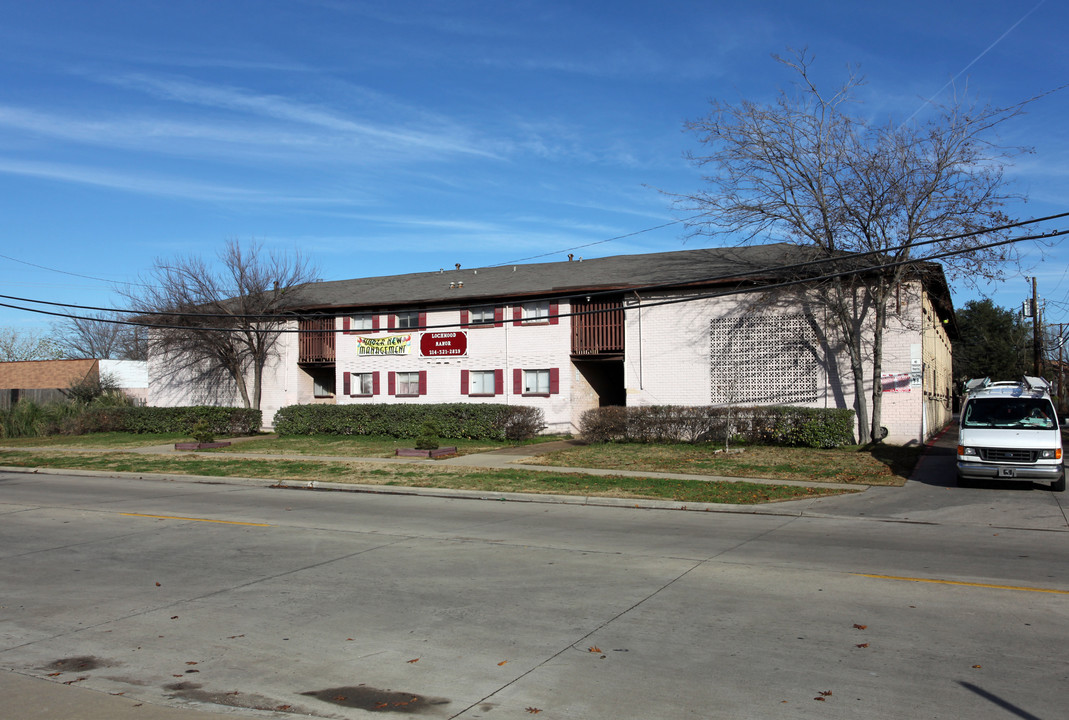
(760, 425)
(29, 419)
(452, 420)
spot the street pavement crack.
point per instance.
(571, 646)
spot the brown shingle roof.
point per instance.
(45, 374)
(683, 268)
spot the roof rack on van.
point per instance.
(1036, 383)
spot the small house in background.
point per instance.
(131, 376)
(43, 381)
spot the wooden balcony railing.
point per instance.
(316, 340)
(598, 329)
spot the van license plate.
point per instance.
(1005, 472)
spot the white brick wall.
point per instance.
(667, 361)
(505, 348)
(668, 354)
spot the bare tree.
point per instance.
(95, 337)
(29, 344)
(803, 168)
(221, 325)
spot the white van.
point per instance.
(1010, 431)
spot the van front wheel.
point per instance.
(1059, 484)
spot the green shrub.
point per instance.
(428, 438)
(227, 421)
(765, 425)
(28, 419)
(452, 420)
(202, 432)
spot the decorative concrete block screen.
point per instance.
(762, 359)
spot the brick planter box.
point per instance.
(200, 446)
(440, 452)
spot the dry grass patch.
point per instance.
(881, 465)
(419, 475)
(348, 445)
(98, 441)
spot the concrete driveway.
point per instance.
(932, 496)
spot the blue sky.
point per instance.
(382, 138)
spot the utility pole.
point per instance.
(1036, 349)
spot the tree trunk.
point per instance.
(877, 366)
(857, 370)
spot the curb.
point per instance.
(443, 493)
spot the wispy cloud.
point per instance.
(280, 108)
(150, 185)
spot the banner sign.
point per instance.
(384, 345)
(895, 382)
(443, 344)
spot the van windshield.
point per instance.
(1023, 413)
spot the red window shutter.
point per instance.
(391, 321)
(375, 383)
(517, 315)
(499, 316)
(422, 382)
(346, 324)
(464, 384)
(517, 381)
(391, 383)
(554, 311)
(374, 322)
(422, 321)
(499, 382)
(465, 318)
(345, 385)
(554, 381)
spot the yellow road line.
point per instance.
(967, 584)
(172, 517)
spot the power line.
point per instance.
(599, 242)
(64, 272)
(689, 298)
(658, 286)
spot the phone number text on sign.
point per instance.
(439, 344)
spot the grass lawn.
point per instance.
(416, 475)
(884, 465)
(102, 441)
(352, 446)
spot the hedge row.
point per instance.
(453, 420)
(28, 419)
(766, 425)
(226, 421)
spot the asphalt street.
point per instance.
(160, 599)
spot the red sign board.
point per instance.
(443, 344)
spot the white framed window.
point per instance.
(536, 312)
(536, 382)
(363, 383)
(407, 320)
(482, 316)
(407, 383)
(482, 382)
(362, 323)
